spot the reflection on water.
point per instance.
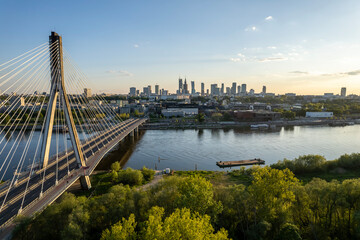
(183, 149)
(121, 152)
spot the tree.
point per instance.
(216, 116)
(289, 232)
(289, 115)
(115, 166)
(195, 193)
(182, 224)
(148, 174)
(272, 194)
(200, 117)
(123, 230)
(131, 177)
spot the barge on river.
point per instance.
(255, 161)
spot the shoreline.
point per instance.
(247, 125)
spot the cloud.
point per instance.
(272, 47)
(271, 59)
(251, 29)
(269, 18)
(136, 45)
(235, 59)
(299, 72)
(121, 73)
(352, 73)
(342, 74)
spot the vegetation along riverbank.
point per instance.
(304, 198)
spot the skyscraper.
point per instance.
(343, 91)
(157, 89)
(238, 89)
(185, 88)
(132, 91)
(192, 87)
(149, 89)
(228, 91)
(214, 89)
(233, 88)
(146, 91)
(264, 90)
(180, 86)
(202, 89)
(243, 88)
(222, 89)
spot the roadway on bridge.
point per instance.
(66, 168)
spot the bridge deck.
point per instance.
(68, 173)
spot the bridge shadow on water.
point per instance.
(121, 152)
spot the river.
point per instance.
(201, 149)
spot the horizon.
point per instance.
(307, 47)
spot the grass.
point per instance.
(219, 178)
(307, 177)
(101, 182)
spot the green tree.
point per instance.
(148, 174)
(200, 117)
(123, 230)
(272, 193)
(289, 232)
(216, 116)
(182, 224)
(115, 166)
(131, 177)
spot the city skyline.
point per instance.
(305, 47)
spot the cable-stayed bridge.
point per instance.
(52, 132)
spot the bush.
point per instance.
(131, 177)
(303, 164)
(148, 174)
(115, 166)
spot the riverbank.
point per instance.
(171, 124)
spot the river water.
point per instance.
(201, 149)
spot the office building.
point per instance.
(132, 91)
(157, 89)
(193, 87)
(233, 88)
(228, 91)
(202, 89)
(264, 90)
(149, 89)
(343, 91)
(238, 89)
(215, 91)
(185, 88)
(251, 92)
(146, 91)
(243, 88)
(180, 86)
(222, 89)
(87, 92)
(207, 92)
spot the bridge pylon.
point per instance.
(58, 93)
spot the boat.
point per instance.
(259, 126)
(255, 161)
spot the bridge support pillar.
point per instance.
(85, 182)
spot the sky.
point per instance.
(306, 47)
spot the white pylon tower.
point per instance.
(58, 90)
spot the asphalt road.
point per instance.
(14, 197)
